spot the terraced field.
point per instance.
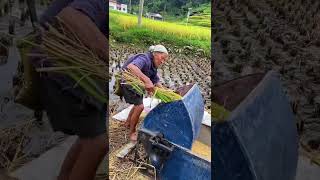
(283, 35)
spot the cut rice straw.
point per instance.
(165, 95)
(70, 56)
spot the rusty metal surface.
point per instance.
(231, 93)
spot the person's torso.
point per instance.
(148, 69)
(96, 10)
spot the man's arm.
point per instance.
(158, 84)
(148, 83)
(86, 31)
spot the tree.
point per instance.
(129, 6)
(140, 13)
(168, 7)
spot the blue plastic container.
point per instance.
(184, 165)
(179, 121)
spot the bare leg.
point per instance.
(134, 120)
(69, 160)
(92, 153)
(127, 123)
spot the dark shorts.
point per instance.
(69, 114)
(131, 96)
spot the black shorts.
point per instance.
(130, 95)
(69, 114)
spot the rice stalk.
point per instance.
(70, 56)
(165, 95)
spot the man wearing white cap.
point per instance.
(145, 67)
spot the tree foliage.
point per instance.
(166, 7)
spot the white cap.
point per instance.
(151, 48)
(158, 48)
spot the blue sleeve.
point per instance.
(96, 10)
(140, 61)
(155, 79)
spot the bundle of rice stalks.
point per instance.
(165, 95)
(70, 56)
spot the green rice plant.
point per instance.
(164, 94)
(71, 57)
(179, 30)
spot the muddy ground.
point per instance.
(282, 35)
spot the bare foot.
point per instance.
(127, 124)
(133, 137)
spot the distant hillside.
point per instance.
(201, 16)
(176, 8)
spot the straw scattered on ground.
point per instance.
(123, 168)
(12, 141)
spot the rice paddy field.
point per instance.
(127, 21)
(123, 28)
(283, 35)
(201, 16)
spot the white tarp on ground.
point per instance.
(149, 104)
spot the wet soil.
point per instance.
(281, 35)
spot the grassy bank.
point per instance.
(201, 16)
(123, 28)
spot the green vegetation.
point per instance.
(201, 16)
(123, 28)
(176, 11)
(74, 59)
(164, 94)
(176, 8)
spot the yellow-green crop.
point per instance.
(164, 94)
(192, 32)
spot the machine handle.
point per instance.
(161, 143)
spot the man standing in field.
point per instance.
(145, 67)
